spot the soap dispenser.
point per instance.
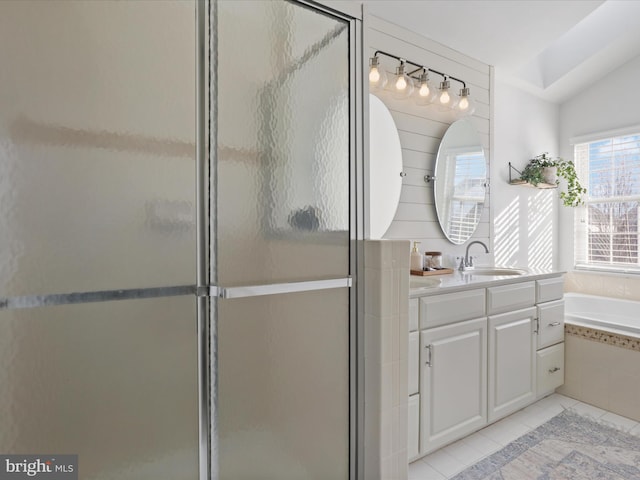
(416, 258)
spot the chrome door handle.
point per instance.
(278, 288)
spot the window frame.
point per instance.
(583, 160)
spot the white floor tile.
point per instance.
(444, 463)
(566, 402)
(617, 421)
(505, 431)
(482, 444)
(420, 470)
(588, 410)
(556, 400)
(464, 453)
(532, 418)
(450, 460)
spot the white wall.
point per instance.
(524, 219)
(421, 130)
(611, 103)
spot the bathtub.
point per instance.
(607, 314)
(602, 353)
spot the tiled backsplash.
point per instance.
(603, 284)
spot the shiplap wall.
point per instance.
(421, 129)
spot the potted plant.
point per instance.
(539, 168)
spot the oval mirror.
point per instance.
(461, 177)
(385, 168)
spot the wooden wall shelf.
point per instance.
(541, 186)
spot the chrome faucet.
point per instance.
(466, 262)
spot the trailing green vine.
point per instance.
(533, 173)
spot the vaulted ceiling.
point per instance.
(551, 48)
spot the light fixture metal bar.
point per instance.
(420, 67)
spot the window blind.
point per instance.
(606, 228)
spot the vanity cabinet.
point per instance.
(453, 382)
(483, 353)
(512, 362)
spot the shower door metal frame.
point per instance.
(207, 289)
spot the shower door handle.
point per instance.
(278, 288)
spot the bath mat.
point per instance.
(567, 447)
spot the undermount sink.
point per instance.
(422, 282)
(495, 272)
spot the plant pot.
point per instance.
(550, 174)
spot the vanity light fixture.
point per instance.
(402, 84)
(377, 75)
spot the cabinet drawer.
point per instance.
(414, 362)
(510, 297)
(550, 323)
(413, 426)
(413, 314)
(550, 368)
(549, 289)
(451, 307)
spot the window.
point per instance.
(606, 227)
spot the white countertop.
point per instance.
(457, 281)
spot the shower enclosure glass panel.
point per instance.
(283, 133)
(97, 193)
(283, 143)
(283, 386)
(113, 382)
(97, 145)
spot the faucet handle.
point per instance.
(471, 261)
(461, 267)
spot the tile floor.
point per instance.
(452, 459)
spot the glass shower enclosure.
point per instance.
(179, 217)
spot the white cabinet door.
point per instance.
(507, 298)
(413, 314)
(550, 323)
(453, 382)
(447, 308)
(550, 369)
(512, 362)
(414, 362)
(413, 428)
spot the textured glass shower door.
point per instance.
(282, 234)
(98, 347)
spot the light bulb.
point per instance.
(403, 85)
(466, 105)
(425, 92)
(445, 98)
(377, 75)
